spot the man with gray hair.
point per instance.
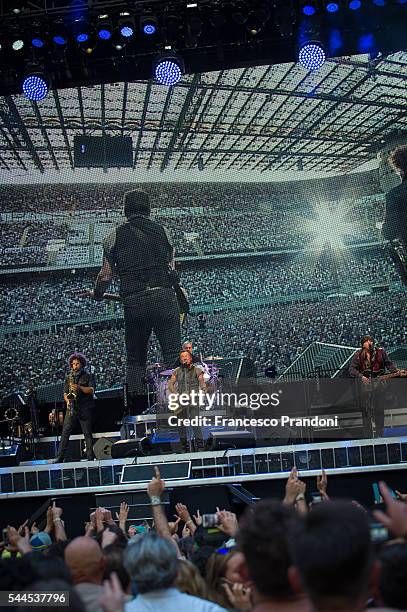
(153, 567)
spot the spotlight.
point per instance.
(332, 7)
(354, 5)
(37, 42)
(379, 2)
(312, 55)
(59, 40)
(257, 19)
(35, 86)
(105, 28)
(17, 44)
(126, 25)
(60, 35)
(149, 25)
(309, 8)
(82, 37)
(17, 7)
(168, 70)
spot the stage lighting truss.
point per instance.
(35, 85)
(311, 55)
(168, 69)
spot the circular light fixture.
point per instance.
(104, 34)
(309, 10)
(149, 29)
(37, 42)
(82, 37)
(312, 56)
(35, 87)
(168, 71)
(59, 40)
(17, 44)
(126, 31)
(332, 7)
(354, 5)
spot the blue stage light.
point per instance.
(149, 29)
(126, 31)
(168, 72)
(332, 7)
(354, 5)
(35, 87)
(379, 2)
(59, 40)
(82, 37)
(308, 10)
(37, 42)
(104, 34)
(311, 56)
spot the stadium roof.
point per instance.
(262, 120)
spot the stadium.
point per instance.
(272, 185)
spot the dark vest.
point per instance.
(141, 254)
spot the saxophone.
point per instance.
(70, 396)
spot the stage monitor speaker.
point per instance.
(103, 152)
(137, 447)
(103, 449)
(170, 470)
(225, 440)
(9, 455)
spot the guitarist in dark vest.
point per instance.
(369, 363)
(139, 252)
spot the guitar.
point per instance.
(383, 376)
(115, 297)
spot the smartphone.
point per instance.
(377, 495)
(316, 497)
(210, 520)
(378, 533)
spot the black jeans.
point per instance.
(151, 310)
(84, 417)
(196, 441)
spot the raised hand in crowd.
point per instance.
(294, 489)
(185, 516)
(402, 496)
(322, 485)
(227, 522)
(239, 596)
(395, 516)
(17, 541)
(113, 598)
(122, 516)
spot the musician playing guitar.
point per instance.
(184, 379)
(368, 363)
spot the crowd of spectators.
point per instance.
(291, 555)
(211, 218)
(270, 335)
(58, 299)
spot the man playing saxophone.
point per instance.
(78, 395)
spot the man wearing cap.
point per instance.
(369, 361)
(82, 385)
(139, 252)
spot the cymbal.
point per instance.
(166, 373)
(155, 366)
(212, 357)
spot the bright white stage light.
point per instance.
(330, 226)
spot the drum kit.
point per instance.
(157, 382)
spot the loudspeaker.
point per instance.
(224, 440)
(103, 449)
(9, 455)
(137, 447)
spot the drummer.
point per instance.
(187, 346)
